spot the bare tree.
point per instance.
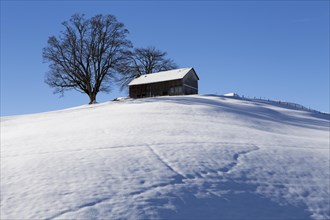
(144, 61)
(87, 55)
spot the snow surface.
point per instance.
(231, 94)
(166, 158)
(160, 76)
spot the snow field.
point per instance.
(167, 157)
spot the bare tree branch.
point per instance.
(86, 55)
(143, 61)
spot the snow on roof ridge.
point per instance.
(179, 70)
(161, 76)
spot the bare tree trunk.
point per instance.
(92, 98)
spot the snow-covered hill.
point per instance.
(168, 158)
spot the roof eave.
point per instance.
(195, 72)
(155, 82)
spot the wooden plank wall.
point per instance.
(186, 86)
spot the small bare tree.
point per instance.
(144, 61)
(87, 55)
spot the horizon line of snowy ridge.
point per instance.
(267, 100)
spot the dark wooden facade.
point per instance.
(186, 86)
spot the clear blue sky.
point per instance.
(273, 49)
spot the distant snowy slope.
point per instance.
(166, 158)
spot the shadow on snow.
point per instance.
(256, 111)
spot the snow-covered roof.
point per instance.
(160, 76)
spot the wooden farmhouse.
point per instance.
(173, 82)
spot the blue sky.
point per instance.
(272, 49)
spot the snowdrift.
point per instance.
(191, 157)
